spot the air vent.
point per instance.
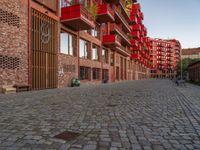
(7, 62)
(9, 18)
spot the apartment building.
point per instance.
(140, 44)
(44, 44)
(165, 56)
(98, 45)
(193, 53)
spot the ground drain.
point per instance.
(67, 136)
(111, 105)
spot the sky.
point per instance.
(179, 19)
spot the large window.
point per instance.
(84, 49)
(105, 55)
(95, 52)
(67, 44)
(84, 73)
(96, 73)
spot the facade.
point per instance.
(29, 31)
(98, 46)
(193, 53)
(165, 55)
(194, 72)
(140, 44)
(44, 44)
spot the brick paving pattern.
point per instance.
(137, 115)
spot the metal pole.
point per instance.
(181, 66)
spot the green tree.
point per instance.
(185, 63)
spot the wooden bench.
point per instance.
(22, 88)
(8, 89)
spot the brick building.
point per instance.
(165, 55)
(45, 43)
(194, 72)
(193, 53)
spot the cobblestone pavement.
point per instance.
(149, 114)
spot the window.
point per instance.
(105, 55)
(95, 32)
(112, 59)
(95, 73)
(67, 44)
(84, 73)
(84, 49)
(95, 52)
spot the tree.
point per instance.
(185, 63)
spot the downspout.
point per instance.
(78, 56)
(29, 48)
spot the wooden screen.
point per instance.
(44, 51)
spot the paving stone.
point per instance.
(149, 114)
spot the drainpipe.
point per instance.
(29, 48)
(78, 56)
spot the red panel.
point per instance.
(71, 12)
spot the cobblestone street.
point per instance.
(148, 114)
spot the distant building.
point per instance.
(193, 53)
(194, 72)
(165, 55)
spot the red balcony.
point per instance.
(135, 56)
(160, 54)
(136, 48)
(136, 6)
(105, 13)
(77, 18)
(136, 27)
(134, 43)
(139, 20)
(169, 51)
(111, 40)
(141, 16)
(135, 34)
(135, 12)
(133, 19)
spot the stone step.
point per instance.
(8, 89)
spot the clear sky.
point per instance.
(178, 19)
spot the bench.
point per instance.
(22, 88)
(6, 89)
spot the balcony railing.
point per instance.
(105, 13)
(77, 17)
(111, 40)
(135, 34)
(123, 50)
(136, 27)
(120, 17)
(116, 28)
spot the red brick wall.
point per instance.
(67, 69)
(14, 43)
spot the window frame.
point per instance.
(71, 44)
(96, 58)
(85, 51)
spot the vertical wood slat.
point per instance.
(44, 59)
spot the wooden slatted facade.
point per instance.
(44, 42)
